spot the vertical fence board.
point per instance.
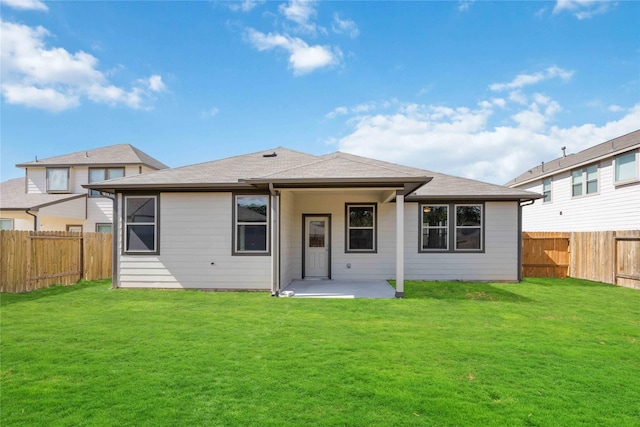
(34, 259)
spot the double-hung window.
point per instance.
(451, 227)
(361, 227)
(626, 167)
(103, 174)
(435, 227)
(57, 180)
(546, 190)
(141, 224)
(251, 229)
(584, 181)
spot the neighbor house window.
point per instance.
(626, 167)
(58, 180)
(104, 228)
(103, 174)
(74, 228)
(141, 224)
(435, 227)
(546, 190)
(6, 224)
(251, 224)
(584, 181)
(361, 227)
(468, 227)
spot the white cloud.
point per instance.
(466, 142)
(303, 58)
(615, 108)
(464, 5)
(244, 6)
(583, 9)
(212, 112)
(523, 80)
(301, 12)
(54, 79)
(344, 26)
(25, 4)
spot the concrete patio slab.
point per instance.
(339, 289)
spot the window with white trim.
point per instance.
(361, 227)
(6, 224)
(105, 227)
(57, 180)
(435, 227)
(141, 224)
(546, 190)
(584, 181)
(626, 167)
(468, 228)
(103, 174)
(251, 229)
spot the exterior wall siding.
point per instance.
(612, 208)
(498, 262)
(195, 231)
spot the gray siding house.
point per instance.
(262, 220)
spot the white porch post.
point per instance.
(399, 245)
(275, 244)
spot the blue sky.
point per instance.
(478, 89)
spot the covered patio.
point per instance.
(338, 289)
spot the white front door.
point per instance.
(316, 247)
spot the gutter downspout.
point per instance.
(520, 206)
(275, 240)
(35, 219)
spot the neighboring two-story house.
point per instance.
(51, 198)
(596, 189)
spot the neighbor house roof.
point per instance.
(14, 198)
(598, 152)
(114, 155)
(286, 168)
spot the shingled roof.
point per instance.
(14, 198)
(114, 155)
(286, 167)
(607, 149)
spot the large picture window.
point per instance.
(103, 174)
(251, 224)
(141, 224)
(361, 227)
(451, 227)
(435, 227)
(58, 180)
(626, 167)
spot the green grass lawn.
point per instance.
(541, 353)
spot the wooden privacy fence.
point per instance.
(38, 259)
(603, 256)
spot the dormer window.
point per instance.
(57, 180)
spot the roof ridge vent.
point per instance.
(274, 154)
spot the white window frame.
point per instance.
(446, 227)
(237, 224)
(636, 162)
(373, 227)
(107, 176)
(57, 190)
(154, 223)
(547, 188)
(584, 181)
(104, 224)
(457, 227)
(10, 220)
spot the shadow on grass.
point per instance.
(10, 298)
(460, 291)
(567, 281)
